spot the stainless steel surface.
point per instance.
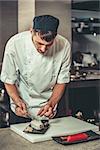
(11, 141)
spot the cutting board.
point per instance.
(58, 127)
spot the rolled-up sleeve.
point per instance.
(8, 73)
(64, 74)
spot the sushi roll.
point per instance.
(37, 124)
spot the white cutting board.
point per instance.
(58, 127)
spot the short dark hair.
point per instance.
(47, 36)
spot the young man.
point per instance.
(36, 68)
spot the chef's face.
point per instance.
(41, 45)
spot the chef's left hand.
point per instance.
(47, 111)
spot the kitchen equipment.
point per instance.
(4, 114)
(77, 138)
(1, 95)
(58, 127)
(4, 118)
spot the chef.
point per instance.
(36, 69)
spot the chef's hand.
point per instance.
(47, 111)
(21, 109)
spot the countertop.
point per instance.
(11, 141)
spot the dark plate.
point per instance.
(91, 136)
(34, 131)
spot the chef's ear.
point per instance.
(31, 30)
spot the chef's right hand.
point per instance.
(21, 109)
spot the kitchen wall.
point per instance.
(26, 13)
(15, 16)
(86, 42)
(60, 9)
(8, 22)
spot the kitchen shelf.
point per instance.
(86, 25)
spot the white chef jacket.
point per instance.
(33, 73)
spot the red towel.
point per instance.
(75, 137)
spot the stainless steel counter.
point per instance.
(11, 141)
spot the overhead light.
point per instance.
(94, 34)
(91, 18)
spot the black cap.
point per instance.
(46, 23)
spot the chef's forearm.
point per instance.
(57, 94)
(13, 92)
